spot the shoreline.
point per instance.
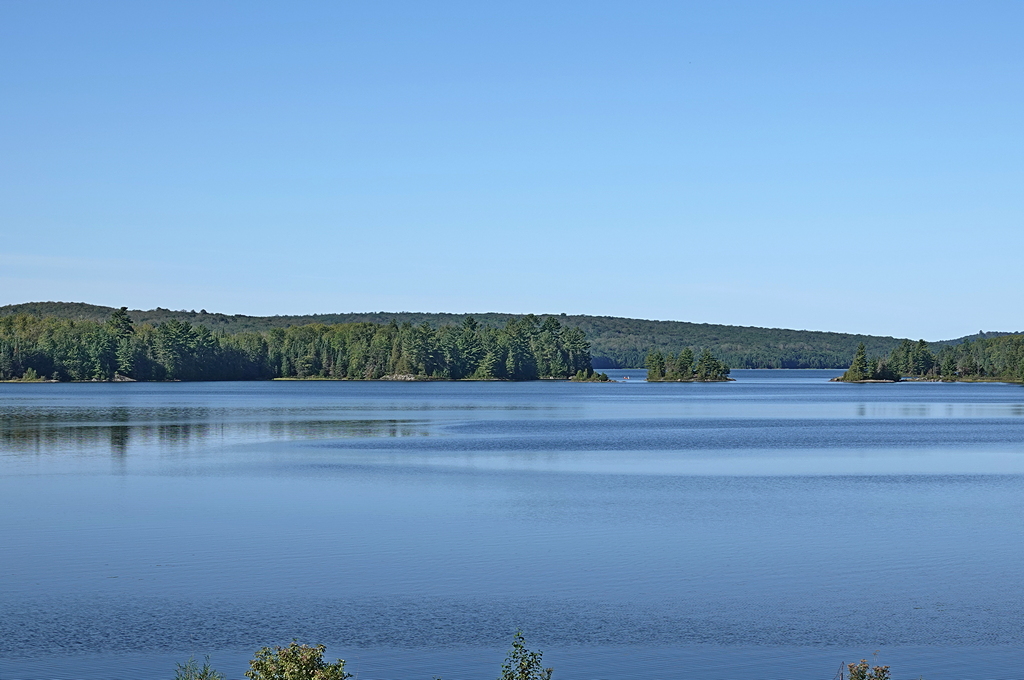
(690, 380)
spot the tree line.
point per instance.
(993, 358)
(683, 367)
(615, 342)
(525, 348)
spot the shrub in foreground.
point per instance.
(295, 662)
(860, 671)
(191, 670)
(522, 664)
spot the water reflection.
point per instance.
(121, 430)
(924, 410)
(14, 415)
(119, 436)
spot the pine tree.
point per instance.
(655, 364)
(125, 355)
(859, 367)
(120, 324)
(684, 363)
(709, 368)
(488, 368)
(923, 360)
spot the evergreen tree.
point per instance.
(923, 359)
(881, 370)
(470, 347)
(684, 363)
(120, 324)
(174, 342)
(577, 350)
(488, 368)
(520, 361)
(655, 364)
(859, 368)
(710, 368)
(671, 367)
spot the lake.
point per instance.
(775, 526)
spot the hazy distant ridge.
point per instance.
(615, 341)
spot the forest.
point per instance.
(683, 368)
(615, 342)
(524, 348)
(985, 358)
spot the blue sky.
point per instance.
(830, 166)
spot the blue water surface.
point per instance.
(775, 526)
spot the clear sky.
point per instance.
(831, 166)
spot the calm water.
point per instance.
(772, 527)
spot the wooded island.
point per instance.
(682, 367)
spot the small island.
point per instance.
(863, 370)
(682, 367)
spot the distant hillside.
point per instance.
(980, 335)
(616, 342)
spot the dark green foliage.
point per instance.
(879, 368)
(1000, 357)
(120, 324)
(917, 359)
(996, 358)
(882, 370)
(858, 369)
(683, 368)
(524, 349)
(590, 376)
(522, 664)
(295, 662)
(616, 342)
(520, 359)
(655, 365)
(710, 368)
